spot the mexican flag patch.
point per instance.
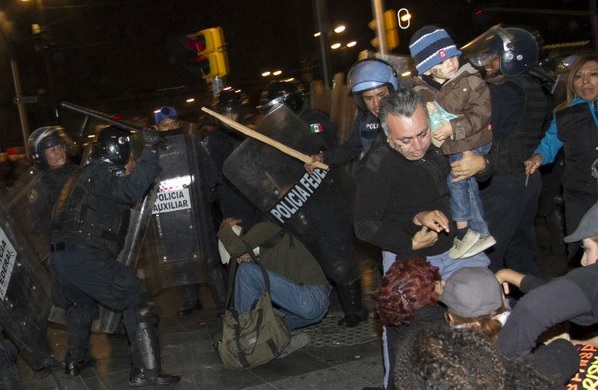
(316, 128)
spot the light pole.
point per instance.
(378, 11)
(16, 78)
(323, 27)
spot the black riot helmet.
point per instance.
(232, 101)
(113, 145)
(288, 92)
(516, 48)
(42, 139)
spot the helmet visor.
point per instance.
(485, 47)
(268, 106)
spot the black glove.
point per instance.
(150, 137)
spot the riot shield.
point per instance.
(316, 208)
(25, 289)
(26, 204)
(181, 240)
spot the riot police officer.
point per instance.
(338, 267)
(181, 238)
(521, 110)
(220, 143)
(290, 93)
(88, 231)
(370, 80)
(48, 148)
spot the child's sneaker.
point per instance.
(460, 247)
(480, 246)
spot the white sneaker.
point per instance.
(480, 246)
(297, 342)
(460, 247)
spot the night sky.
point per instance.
(124, 56)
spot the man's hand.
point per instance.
(434, 220)
(470, 164)
(244, 258)
(508, 276)
(309, 167)
(229, 222)
(431, 108)
(532, 163)
(425, 238)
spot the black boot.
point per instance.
(188, 309)
(146, 369)
(77, 356)
(350, 297)
(190, 296)
(218, 284)
(141, 377)
(76, 361)
(50, 365)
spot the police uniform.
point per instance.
(45, 195)
(220, 144)
(520, 110)
(320, 125)
(88, 232)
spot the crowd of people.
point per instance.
(446, 186)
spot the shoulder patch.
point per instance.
(316, 128)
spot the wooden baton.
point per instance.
(267, 140)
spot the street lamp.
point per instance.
(271, 73)
(339, 29)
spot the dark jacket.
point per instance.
(47, 192)
(520, 113)
(321, 126)
(572, 297)
(95, 206)
(280, 252)
(366, 128)
(391, 190)
(576, 128)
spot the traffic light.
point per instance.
(211, 58)
(206, 41)
(390, 27)
(209, 65)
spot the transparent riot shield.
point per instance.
(25, 289)
(26, 204)
(317, 208)
(181, 240)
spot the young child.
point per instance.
(459, 90)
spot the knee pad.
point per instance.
(146, 313)
(340, 270)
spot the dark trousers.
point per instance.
(510, 208)
(89, 276)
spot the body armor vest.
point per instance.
(576, 128)
(77, 213)
(510, 152)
